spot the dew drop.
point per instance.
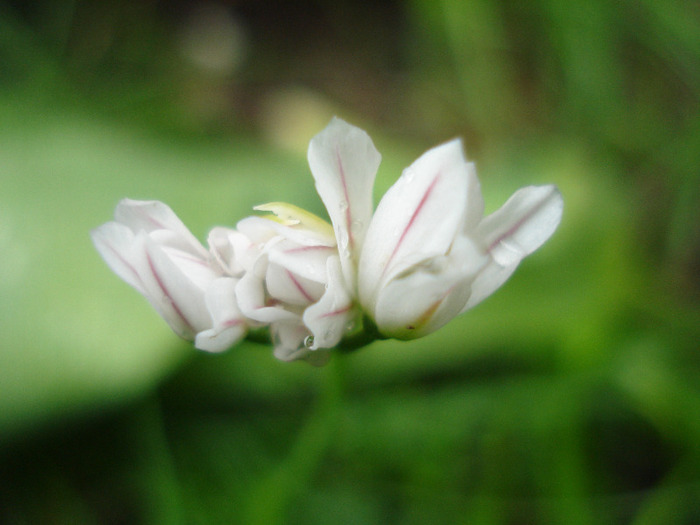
(343, 205)
(309, 341)
(356, 225)
(350, 326)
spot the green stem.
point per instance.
(367, 334)
(158, 475)
(271, 496)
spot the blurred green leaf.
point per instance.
(75, 336)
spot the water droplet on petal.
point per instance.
(356, 225)
(343, 205)
(309, 341)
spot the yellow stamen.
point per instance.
(291, 215)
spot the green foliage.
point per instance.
(571, 396)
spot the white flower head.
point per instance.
(427, 253)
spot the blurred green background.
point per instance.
(572, 396)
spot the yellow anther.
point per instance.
(291, 215)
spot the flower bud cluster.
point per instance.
(271, 271)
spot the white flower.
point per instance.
(291, 279)
(427, 253)
(152, 250)
(424, 256)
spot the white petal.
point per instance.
(225, 246)
(180, 282)
(514, 231)
(283, 285)
(250, 295)
(475, 201)
(123, 252)
(151, 216)
(328, 318)
(221, 339)
(288, 338)
(430, 294)
(488, 281)
(143, 264)
(308, 262)
(258, 229)
(522, 224)
(228, 324)
(245, 250)
(418, 218)
(344, 163)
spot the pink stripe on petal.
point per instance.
(304, 249)
(157, 224)
(184, 256)
(531, 213)
(337, 312)
(126, 263)
(411, 222)
(167, 294)
(300, 287)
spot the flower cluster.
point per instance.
(425, 255)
